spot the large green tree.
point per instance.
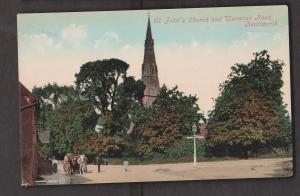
(261, 74)
(252, 125)
(170, 117)
(69, 124)
(66, 116)
(155, 131)
(106, 85)
(52, 95)
(113, 94)
(249, 113)
(185, 105)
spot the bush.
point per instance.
(185, 147)
(155, 131)
(101, 143)
(45, 151)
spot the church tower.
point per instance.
(149, 69)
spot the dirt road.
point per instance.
(258, 168)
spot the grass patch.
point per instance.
(189, 159)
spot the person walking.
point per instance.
(98, 162)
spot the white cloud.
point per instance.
(42, 43)
(74, 34)
(58, 46)
(74, 31)
(108, 39)
(42, 38)
(194, 44)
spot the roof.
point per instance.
(149, 32)
(27, 99)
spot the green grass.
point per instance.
(186, 159)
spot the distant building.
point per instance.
(149, 70)
(202, 130)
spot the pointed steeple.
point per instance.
(149, 32)
(149, 69)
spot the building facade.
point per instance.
(29, 106)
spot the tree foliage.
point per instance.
(66, 116)
(251, 126)
(108, 145)
(169, 118)
(52, 95)
(155, 131)
(261, 74)
(249, 113)
(106, 85)
(69, 124)
(185, 106)
(129, 95)
(183, 148)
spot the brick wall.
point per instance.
(44, 166)
(28, 115)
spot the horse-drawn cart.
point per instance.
(74, 164)
(70, 165)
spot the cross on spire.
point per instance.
(149, 32)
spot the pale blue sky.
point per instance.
(130, 25)
(195, 56)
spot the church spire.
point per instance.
(149, 32)
(149, 69)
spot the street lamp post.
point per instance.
(194, 129)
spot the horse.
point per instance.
(71, 165)
(82, 161)
(67, 166)
(74, 165)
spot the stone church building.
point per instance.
(149, 69)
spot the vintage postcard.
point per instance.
(155, 95)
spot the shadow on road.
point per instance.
(285, 169)
(79, 179)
